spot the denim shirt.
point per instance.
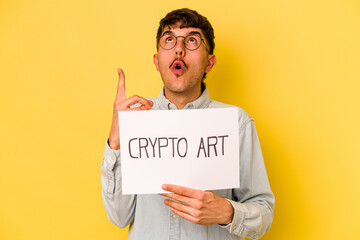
(150, 218)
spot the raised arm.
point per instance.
(122, 103)
(119, 208)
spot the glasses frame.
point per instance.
(176, 37)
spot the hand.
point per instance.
(197, 206)
(123, 104)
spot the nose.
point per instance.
(180, 46)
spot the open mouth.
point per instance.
(178, 67)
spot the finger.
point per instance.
(183, 208)
(137, 108)
(137, 99)
(186, 216)
(121, 85)
(147, 108)
(185, 191)
(194, 203)
(178, 197)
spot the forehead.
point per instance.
(177, 31)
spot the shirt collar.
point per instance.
(202, 102)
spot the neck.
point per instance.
(180, 99)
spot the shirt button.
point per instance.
(113, 158)
(174, 217)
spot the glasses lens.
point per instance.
(167, 41)
(192, 42)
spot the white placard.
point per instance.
(193, 148)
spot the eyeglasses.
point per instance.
(191, 42)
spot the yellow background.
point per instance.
(294, 66)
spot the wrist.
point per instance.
(229, 213)
(114, 144)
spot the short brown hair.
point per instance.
(185, 18)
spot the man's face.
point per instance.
(181, 69)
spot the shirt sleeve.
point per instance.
(120, 209)
(253, 202)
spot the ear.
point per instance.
(211, 63)
(156, 61)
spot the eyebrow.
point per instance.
(190, 33)
(194, 33)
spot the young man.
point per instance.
(185, 43)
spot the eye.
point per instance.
(169, 39)
(192, 40)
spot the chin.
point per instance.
(179, 84)
(176, 89)
(175, 85)
(180, 88)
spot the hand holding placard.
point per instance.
(198, 206)
(122, 103)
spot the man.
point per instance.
(185, 43)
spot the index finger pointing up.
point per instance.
(121, 85)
